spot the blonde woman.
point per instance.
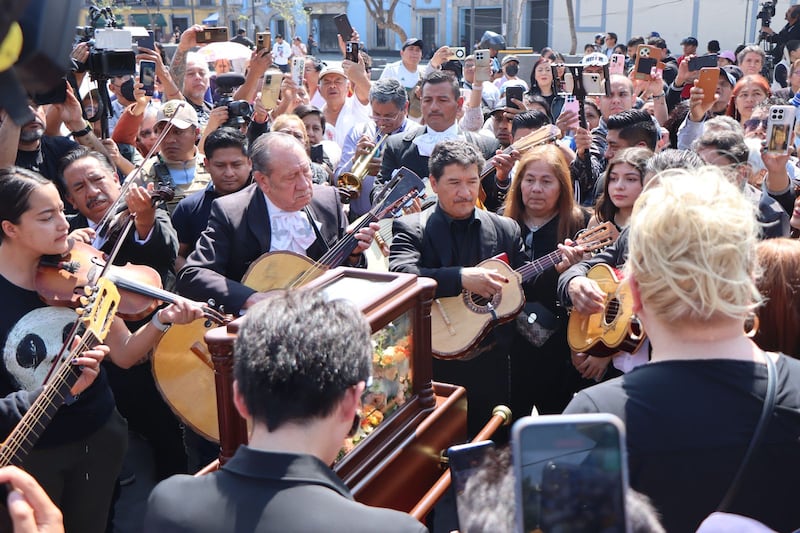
(690, 413)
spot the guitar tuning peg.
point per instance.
(84, 301)
(532, 318)
(211, 302)
(80, 310)
(88, 290)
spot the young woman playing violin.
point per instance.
(79, 455)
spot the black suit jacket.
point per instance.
(422, 245)
(400, 151)
(238, 233)
(259, 491)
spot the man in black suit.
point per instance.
(445, 243)
(90, 184)
(441, 100)
(281, 211)
(301, 365)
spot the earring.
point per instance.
(636, 329)
(751, 325)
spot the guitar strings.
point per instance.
(32, 418)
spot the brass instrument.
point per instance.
(350, 182)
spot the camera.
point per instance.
(110, 51)
(767, 12)
(237, 109)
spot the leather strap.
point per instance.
(758, 435)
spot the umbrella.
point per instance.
(224, 50)
(491, 39)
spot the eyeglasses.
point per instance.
(754, 123)
(146, 133)
(386, 119)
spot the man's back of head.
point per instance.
(296, 354)
(635, 127)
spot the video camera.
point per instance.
(237, 109)
(765, 15)
(110, 52)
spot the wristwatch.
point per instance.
(85, 131)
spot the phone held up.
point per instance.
(271, 89)
(780, 128)
(343, 26)
(147, 76)
(351, 51)
(514, 92)
(212, 35)
(570, 473)
(708, 82)
(465, 460)
(264, 41)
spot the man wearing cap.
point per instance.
(341, 111)
(406, 70)
(694, 123)
(243, 40)
(500, 124)
(178, 164)
(510, 66)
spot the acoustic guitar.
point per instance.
(610, 331)
(187, 382)
(458, 323)
(101, 303)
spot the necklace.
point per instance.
(536, 227)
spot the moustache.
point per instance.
(96, 200)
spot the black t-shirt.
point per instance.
(31, 335)
(191, 215)
(45, 161)
(688, 424)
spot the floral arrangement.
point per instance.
(391, 380)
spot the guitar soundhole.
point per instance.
(612, 311)
(478, 304)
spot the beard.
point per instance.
(27, 135)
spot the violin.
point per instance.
(60, 281)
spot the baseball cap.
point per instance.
(691, 41)
(599, 36)
(654, 34)
(182, 114)
(733, 73)
(331, 70)
(509, 58)
(729, 55)
(413, 42)
(499, 106)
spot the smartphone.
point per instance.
(698, 62)
(464, 461)
(458, 52)
(512, 93)
(343, 26)
(483, 58)
(317, 153)
(571, 104)
(264, 40)
(147, 76)
(709, 76)
(570, 472)
(148, 42)
(271, 89)
(616, 64)
(593, 83)
(645, 61)
(351, 51)
(56, 95)
(298, 70)
(212, 35)
(780, 128)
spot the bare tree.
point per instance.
(573, 36)
(514, 30)
(384, 18)
(290, 11)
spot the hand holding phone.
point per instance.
(514, 92)
(698, 62)
(780, 128)
(264, 41)
(212, 35)
(709, 76)
(271, 89)
(351, 51)
(147, 76)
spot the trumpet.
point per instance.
(350, 182)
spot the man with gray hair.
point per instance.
(389, 102)
(282, 211)
(301, 366)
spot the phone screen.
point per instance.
(513, 93)
(147, 76)
(570, 475)
(465, 460)
(698, 62)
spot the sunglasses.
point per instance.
(753, 123)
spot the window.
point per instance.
(380, 37)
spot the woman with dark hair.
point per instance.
(779, 284)
(623, 184)
(542, 85)
(540, 199)
(80, 454)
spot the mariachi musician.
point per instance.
(445, 243)
(389, 101)
(91, 186)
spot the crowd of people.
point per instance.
(705, 222)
